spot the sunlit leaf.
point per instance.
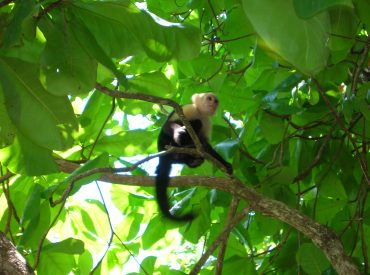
(302, 41)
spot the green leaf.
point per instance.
(83, 35)
(333, 188)
(32, 208)
(99, 162)
(239, 265)
(156, 84)
(67, 246)
(130, 226)
(344, 23)
(154, 232)
(26, 158)
(22, 24)
(201, 223)
(136, 30)
(93, 118)
(148, 264)
(228, 148)
(37, 226)
(272, 128)
(363, 10)
(62, 263)
(29, 105)
(301, 42)
(312, 259)
(7, 128)
(309, 8)
(236, 17)
(68, 69)
(327, 208)
(85, 262)
(126, 143)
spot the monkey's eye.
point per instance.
(209, 98)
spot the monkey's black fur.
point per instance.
(173, 133)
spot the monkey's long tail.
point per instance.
(161, 182)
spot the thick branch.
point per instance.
(323, 237)
(11, 262)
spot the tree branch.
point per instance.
(320, 235)
(154, 99)
(11, 262)
(223, 245)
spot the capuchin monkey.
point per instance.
(174, 133)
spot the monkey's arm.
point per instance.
(208, 148)
(181, 135)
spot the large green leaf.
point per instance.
(67, 246)
(155, 230)
(27, 158)
(32, 208)
(45, 119)
(363, 10)
(7, 128)
(94, 115)
(272, 128)
(301, 42)
(239, 265)
(62, 263)
(98, 162)
(22, 24)
(312, 259)
(156, 84)
(68, 67)
(344, 25)
(136, 31)
(129, 143)
(87, 40)
(38, 224)
(309, 8)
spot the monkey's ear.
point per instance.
(194, 98)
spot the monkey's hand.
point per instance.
(181, 136)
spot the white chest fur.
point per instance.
(192, 113)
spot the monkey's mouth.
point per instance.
(212, 109)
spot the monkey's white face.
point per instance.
(209, 103)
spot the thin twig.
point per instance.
(49, 8)
(359, 64)
(43, 237)
(196, 269)
(7, 176)
(308, 170)
(221, 253)
(102, 127)
(348, 134)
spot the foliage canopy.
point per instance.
(84, 88)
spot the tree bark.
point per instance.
(11, 261)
